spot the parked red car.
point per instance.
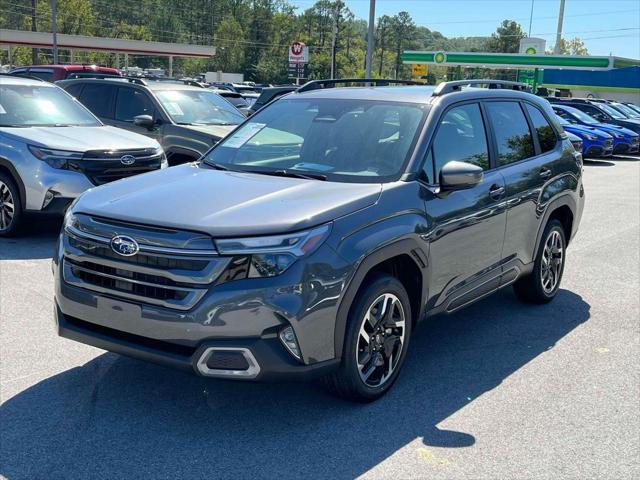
(53, 73)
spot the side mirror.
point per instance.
(145, 121)
(459, 175)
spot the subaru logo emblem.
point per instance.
(125, 246)
(127, 160)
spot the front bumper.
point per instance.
(273, 361)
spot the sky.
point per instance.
(605, 26)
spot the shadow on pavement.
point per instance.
(37, 239)
(116, 417)
(591, 162)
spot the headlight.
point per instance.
(271, 256)
(70, 219)
(590, 137)
(617, 135)
(164, 163)
(55, 158)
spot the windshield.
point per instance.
(41, 106)
(580, 115)
(341, 140)
(562, 121)
(629, 112)
(198, 107)
(612, 111)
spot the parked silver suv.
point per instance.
(52, 149)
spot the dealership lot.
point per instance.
(499, 390)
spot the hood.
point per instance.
(607, 127)
(218, 131)
(584, 130)
(223, 204)
(81, 139)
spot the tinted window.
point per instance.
(546, 134)
(131, 103)
(46, 75)
(511, 129)
(461, 137)
(74, 90)
(592, 111)
(98, 98)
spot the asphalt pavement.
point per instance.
(499, 390)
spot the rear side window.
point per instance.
(546, 134)
(42, 74)
(593, 111)
(513, 137)
(74, 90)
(461, 137)
(131, 103)
(99, 99)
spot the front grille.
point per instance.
(176, 280)
(102, 166)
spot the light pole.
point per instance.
(556, 48)
(372, 19)
(531, 17)
(54, 30)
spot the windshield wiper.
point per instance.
(292, 174)
(217, 166)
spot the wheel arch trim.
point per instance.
(5, 164)
(407, 246)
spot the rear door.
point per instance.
(526, 149)
(467, 226)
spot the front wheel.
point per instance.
(378, 333)
(10, 207)
(543, 283)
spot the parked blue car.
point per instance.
(624, 140)
(595, 143)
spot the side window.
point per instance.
(98, 98)
(461, 137)
(546, 134)
(594, 112)
(45, 74)
(131, 103)
(74, 90)
(513, 136)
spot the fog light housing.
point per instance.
(288, 339)
(48, 197)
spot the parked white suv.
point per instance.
(52, 149)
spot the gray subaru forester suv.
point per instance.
(311, 241)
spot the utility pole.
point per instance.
(531, 17)
(556, 48)
(34, 28)
(54, 30)
(372, 19)
(333, 44)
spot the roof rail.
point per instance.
(456, 86)
(370, 82)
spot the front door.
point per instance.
(466, 226)
(131, 102)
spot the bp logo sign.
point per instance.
(440, 57)
(530, 51)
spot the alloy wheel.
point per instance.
(380, 340)
(7, 207)
(552, 258)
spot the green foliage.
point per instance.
(251, 36)
(574, 46)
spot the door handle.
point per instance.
(496, 192)
(545, 173)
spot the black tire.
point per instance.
(531, 288)
(9, 195)
(346, 382)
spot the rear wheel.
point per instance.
(378, 332)
(543, 283)
(10, 207)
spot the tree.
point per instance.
(575, 46)
(231, 50)
(506, 38)
(403, 30)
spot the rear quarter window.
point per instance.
(545, 132)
